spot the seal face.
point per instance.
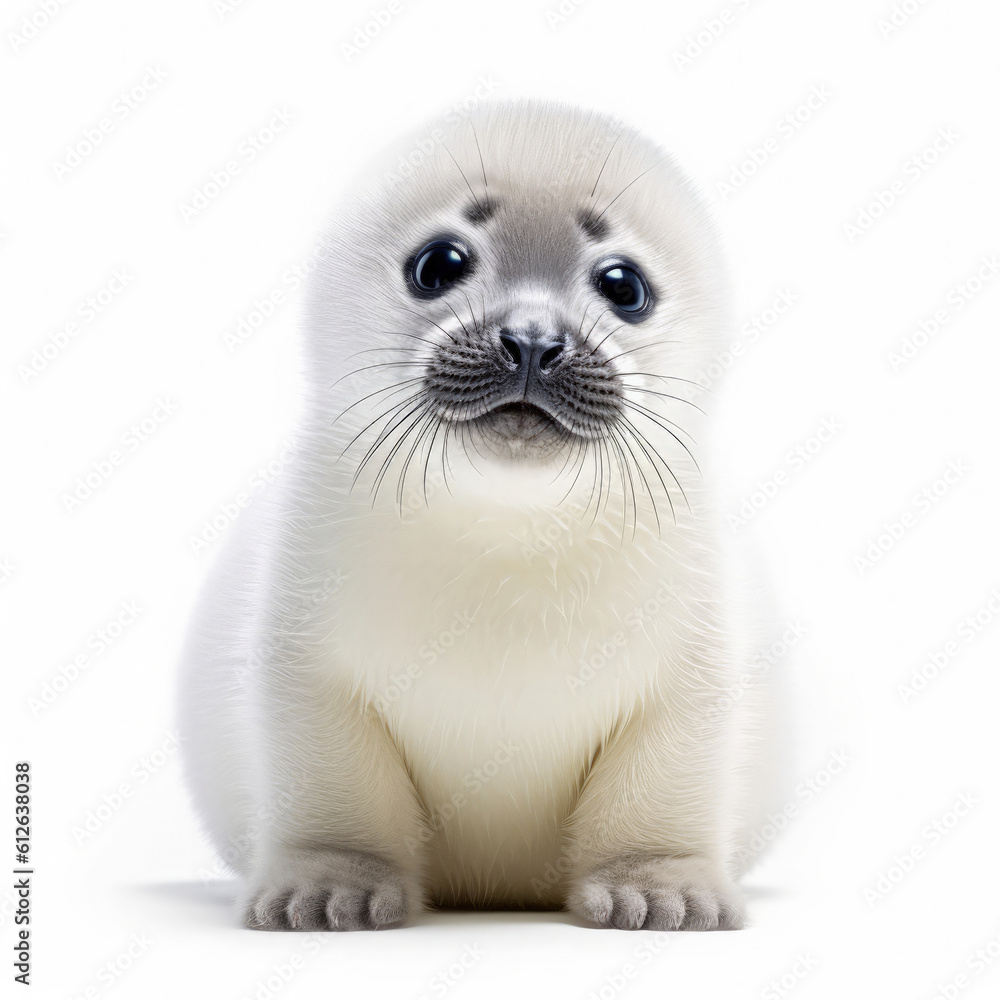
(540, 290)
(469, 651)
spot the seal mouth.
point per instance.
(524, 417)
(520, 407)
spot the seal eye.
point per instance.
(624, 286)
(438, 264)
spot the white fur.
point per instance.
(420, 680)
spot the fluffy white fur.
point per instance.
(508, 689)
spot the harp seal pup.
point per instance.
(477, 647)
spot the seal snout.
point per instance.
(531, 351)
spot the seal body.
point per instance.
(477, 647)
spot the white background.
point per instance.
(118, 871)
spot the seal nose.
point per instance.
(531, 352)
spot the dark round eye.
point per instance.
(624, 286)
(438, 264)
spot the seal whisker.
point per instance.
(387, 461)
(627, 186)
(429, 421)
(591, 330)
(388, 429)
(604, 339)
(385, 413)
(460, 322)
(396, 386)
(672, 378)
(622, 471)
(630, 427)
(464, 178)
(662, 395)
(606, 158)
(645, 446)
(429, 320)
(663, 421)
(666, 465)
(482, 166)
(381, 364)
